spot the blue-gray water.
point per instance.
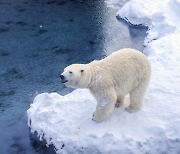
(38, 38)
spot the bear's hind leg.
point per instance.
(120, 101)
(137, 97)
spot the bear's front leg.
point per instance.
(102, 113)
(105, 104)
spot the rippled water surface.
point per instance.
(38, 38)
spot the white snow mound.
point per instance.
(66, 122)
(161, 17)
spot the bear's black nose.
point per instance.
(62, 77)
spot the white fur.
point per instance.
(126, 71)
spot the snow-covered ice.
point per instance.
(65, 121)
(161, 17)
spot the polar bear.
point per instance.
(109, 80)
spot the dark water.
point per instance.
(38, 38)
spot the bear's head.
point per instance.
(76, 76)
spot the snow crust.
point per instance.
(161, 17)
(65, 121)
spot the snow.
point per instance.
(161, 17)
(65, 121)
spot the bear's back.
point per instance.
(128, 67)
(127, 59)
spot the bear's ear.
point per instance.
(82, 71)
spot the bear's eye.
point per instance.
(70, 72)
(82, 71)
